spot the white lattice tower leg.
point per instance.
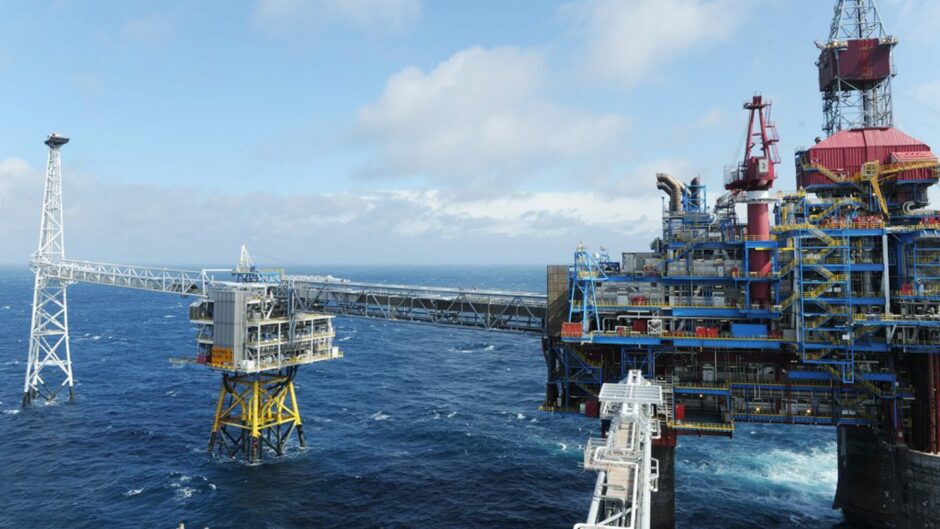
(49, 330)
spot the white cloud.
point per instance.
(543, 214)
(625, 42)
(145, 224)
(381, 16)
(914, 21)
(479, 118)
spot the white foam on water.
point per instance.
(169, 316)
(378, 416)
(6, 307)
(563, 446)
(520, 416)
(96, 337)
(11, 411)
(132, 492)
(184, 493)
(451, 414)
(815, 469)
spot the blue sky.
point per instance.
(401, 131)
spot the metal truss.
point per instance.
(194, 283)
(49, 327)
(481, 309)
(255, 414)
(585, 274)
(856, 19)
(847, 105)
(627, 473)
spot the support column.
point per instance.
(256, 414)
(867, 491)
(758, 226)
(663, 502)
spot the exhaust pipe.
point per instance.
(675, 188)
(697, 192)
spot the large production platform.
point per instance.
(821, 307)
(817, 307)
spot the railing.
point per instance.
(663, 305)
(627, 473)
(487, 309)
(718, 427)
(819, 289)
(684, 335)
(138, 277)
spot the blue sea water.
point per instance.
(418, 426)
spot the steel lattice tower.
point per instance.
(855, 69)
(49, 331)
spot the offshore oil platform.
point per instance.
(827, 316)
(255, 327)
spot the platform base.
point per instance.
(886, 485)
(663, 502)
(256, 415)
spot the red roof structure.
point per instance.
(844, 153)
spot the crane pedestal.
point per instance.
(255, 414)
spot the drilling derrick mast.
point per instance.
(855, 69)
(755, 176)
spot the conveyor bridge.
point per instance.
(480, 309)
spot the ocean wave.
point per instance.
(132, 492)
(184, 493)
(378, 416)
(473, 348)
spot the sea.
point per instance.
(416, 426)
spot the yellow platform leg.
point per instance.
(256, 414)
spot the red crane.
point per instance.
(755, 176)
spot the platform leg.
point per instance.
(255, 414)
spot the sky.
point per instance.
(331, 132)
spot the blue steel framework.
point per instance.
(833, 334)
